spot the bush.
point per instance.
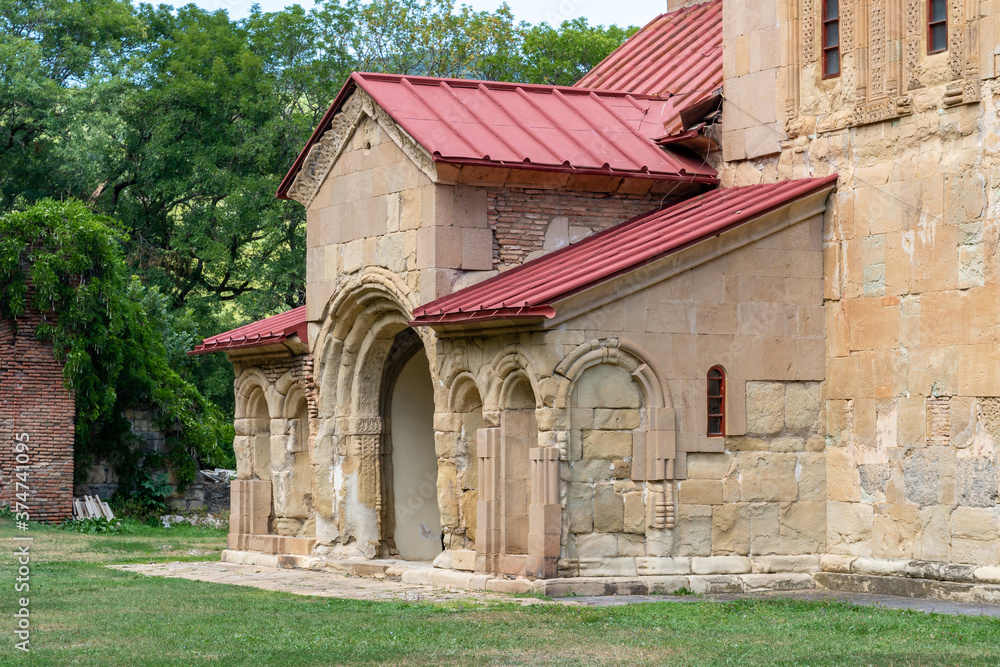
(93, 525)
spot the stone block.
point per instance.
(974, 523)
(635, 513)
(731, 529)
(610, 419)
(765, 408)
(720, 565)
(803, 527)
(667, 585)
(700, 492)
(835, 563)
(709, 466)
(609, 510)
(607, 444)
(802, 406)
(694, 528)
(777, 564)
(651, 566)
(849, 528)
(767, 477)
(759, 583)
(597, 545)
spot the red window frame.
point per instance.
(831, 38)
(716, 412)
(933, 26)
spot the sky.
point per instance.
(554, 12)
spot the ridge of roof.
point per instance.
(530, 290)
(269, 331)
(523, 126)
(677, 54)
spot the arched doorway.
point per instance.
(416, 525)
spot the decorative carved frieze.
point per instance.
(325, 152)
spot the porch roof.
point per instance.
(565, 129)
(530, 290)
(270, 331)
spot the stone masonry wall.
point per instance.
(33, 401)
(911, 276)
(755, 308)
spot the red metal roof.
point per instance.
(270, 331)
(675, 54)
(520, 126)
(530, 290)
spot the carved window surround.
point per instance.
(883, 47)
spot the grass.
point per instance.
(86, 614)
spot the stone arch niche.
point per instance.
(413, 517)
(620, 461)
(292, 469)
(251, 492)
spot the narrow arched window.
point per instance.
(937, 26)
(716, 402)
(831, 38)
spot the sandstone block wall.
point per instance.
(910, 272)
(33, 401)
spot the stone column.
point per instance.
(487, 508)
(544, 514)
(250, 511)
(361, 508)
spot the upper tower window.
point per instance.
(831, 38)
(716, 401)
(937, 26)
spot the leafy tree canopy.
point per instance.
(175, 127)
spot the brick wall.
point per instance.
(520, 217)
(34, 401)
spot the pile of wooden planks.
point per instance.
(91, 507)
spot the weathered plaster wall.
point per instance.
(911, 272)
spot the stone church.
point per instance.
(724, 315)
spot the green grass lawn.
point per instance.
(86, 614)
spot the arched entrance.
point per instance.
(416, 528)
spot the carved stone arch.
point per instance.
(511, 359)
(625, 354)
(459, 387)
(654, 455)
(374, 347)
(245, 384)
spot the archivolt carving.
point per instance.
(611, 351)
(509, 360)
(325, 152)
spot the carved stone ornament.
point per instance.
(325, 152)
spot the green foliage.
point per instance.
(93, 525)
(178, 125)
(114, 351)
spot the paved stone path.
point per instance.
(327, 584)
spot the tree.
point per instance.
(111, 336)
(562, 56)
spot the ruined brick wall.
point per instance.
(33, 401)
(526, 221)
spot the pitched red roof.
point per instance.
(270, 331)
(548, 128)
(530, 290)
(674, 54)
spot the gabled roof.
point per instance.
(521, 126)
(530, 290)
(675, 54)
(271, 331)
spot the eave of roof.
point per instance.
(531, 290)
(270, 331)
(523, 126)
